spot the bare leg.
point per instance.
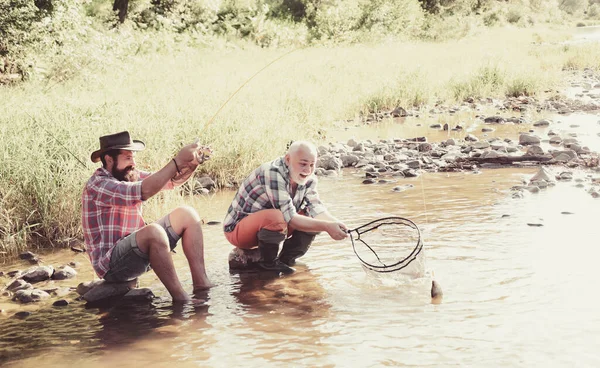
(153, 241)
(185, 221)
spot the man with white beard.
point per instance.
(278, 202)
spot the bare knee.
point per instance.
(152, 236)
(184, 216)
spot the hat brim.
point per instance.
(136, 146)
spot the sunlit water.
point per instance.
(514, 295)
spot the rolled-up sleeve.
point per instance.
(116, 193)
(314, 206)
(275, 187)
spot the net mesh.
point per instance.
(390, 244)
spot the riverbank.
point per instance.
(167, 98)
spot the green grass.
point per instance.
(165, 91)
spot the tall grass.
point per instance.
(164, 92)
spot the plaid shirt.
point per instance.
(269, 186)
(112, 209)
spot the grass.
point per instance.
(165, 92)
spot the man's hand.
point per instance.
(337, 230)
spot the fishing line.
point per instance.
(242, 86)
(56, 139)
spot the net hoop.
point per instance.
(397, 266)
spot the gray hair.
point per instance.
(302, 145)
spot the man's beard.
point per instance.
(127, 174)
(298, 179)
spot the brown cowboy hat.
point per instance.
(120, 140)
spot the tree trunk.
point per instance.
(121, 6)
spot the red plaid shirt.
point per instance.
(112, 209)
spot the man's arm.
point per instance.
(187, 160)
(334, 228)
(155, 182)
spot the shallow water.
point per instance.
(514, 295)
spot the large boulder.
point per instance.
(98, 290)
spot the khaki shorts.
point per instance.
(127, 261)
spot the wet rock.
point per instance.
(555, 140)
(15, 273)
(351, 143)
(61, 303)
(402, 188)
(425, 147)
(562, 157)
(369, 181)
(471, 138)
(319, 171)
(450, 142)
(372, 175)
(143, 294)
(494, 120)
(492, 154)
(527, 139)
(399, 112)
(105, 290)
(84, 287)
(565, 176)
(533, 189)
(410, 173)
(30, 295)
(543, 174)
(244, 259)
(22, 314)
(18, 284)
(542, 123)
(414, 164)
(329, 162)
(481, 145)
(64, 273)
(27, 256)
(534, 150)
(359, 147)
(487, 130)
(37, 274)
(206, 182)
(349, 160)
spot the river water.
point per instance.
(514, 294)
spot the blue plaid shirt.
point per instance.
(269, 186)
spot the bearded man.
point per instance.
(277, 203)
(120, 244)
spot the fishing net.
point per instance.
(389, 244)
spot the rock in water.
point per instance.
(436, 292)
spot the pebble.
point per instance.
(22, 314)
(60, 303)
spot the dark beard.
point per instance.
(127, 174)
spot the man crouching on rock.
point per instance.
(120, 244)
(277, 202)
